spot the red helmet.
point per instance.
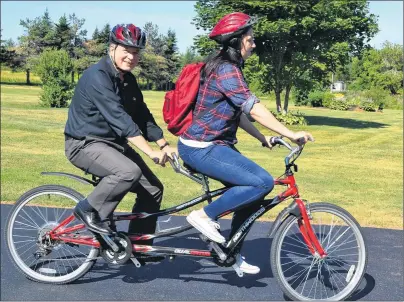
(128, 35)
(230, 26)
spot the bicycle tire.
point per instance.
(21, 207)
(354, 274)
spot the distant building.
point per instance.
(338, 86)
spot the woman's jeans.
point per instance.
(248, 181)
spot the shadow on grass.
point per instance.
(19, 84)
(342, 122)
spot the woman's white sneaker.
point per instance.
(206, 226)
(245, 267)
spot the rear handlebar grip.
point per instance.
(156, 160)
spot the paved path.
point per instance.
(187, 279)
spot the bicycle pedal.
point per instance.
(135, 262)
(238, 271)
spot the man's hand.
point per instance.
(170, 150)
(267, 142)
(159, 157)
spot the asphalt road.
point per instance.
(197, 279)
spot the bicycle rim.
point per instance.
(306, 277)
(57, 262)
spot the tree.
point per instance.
(154, 39)
(296, 37)
(38, 35)
(379, 69)
(63, 35)
(153, 67)
(78, 36)
(96, 34)
(171, 55)
(103, 36)
(190, 56)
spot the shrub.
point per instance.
(328, 98)
(315, 98)
(55, 95)
(290, 118)
(338, 105)
(374, 98)
(54, 67)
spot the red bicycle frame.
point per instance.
(305, 227)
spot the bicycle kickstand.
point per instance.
(135, 262)
(237, 269)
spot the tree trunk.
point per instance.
(73, 76)
(278, 101)
(286, 103)
(28, 80)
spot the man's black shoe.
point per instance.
(92, 220)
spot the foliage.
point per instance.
(290, 118)
(54, 68)
(295, 37)
(335, 104)
(253, 74)
(315, 98)
(379, 68)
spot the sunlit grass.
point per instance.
(356, 161)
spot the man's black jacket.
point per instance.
(106, 107)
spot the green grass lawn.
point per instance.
(356, 161)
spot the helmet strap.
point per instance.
(114, 63)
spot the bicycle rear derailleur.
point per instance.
(115, 249)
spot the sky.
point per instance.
(176, 15)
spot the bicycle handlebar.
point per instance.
(276, 140)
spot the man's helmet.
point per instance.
(128, 35)
(231, 26)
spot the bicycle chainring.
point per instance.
(225, 263)
(124, 253)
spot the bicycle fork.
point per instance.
(309, 237)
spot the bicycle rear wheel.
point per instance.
(49, 261)
(303, 276)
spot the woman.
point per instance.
(225, 103)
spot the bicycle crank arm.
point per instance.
(110, 242)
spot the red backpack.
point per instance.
(180, 102)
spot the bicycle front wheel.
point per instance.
(303, 276)
(49, 261)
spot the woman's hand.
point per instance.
(301, 137)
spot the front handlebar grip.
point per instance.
(156, 160)
(274, 140)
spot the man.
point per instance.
(107, 111)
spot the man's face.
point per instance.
(126, 58)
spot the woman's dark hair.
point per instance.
(229, 53)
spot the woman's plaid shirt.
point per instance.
(220, 102)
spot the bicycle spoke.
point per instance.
(292, 244)
(344, 242)
(329, 246)
(307, 275)
(32, 227)
(294, 253)
(24, 236)
(32, 240)
(296, 264)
